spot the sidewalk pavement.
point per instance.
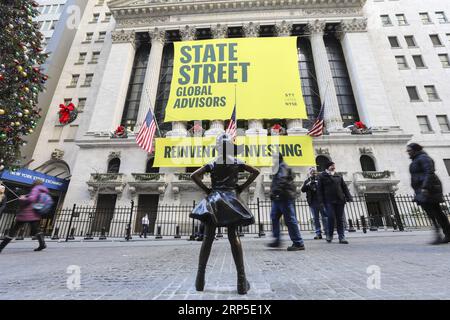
(376, 265)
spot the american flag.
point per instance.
(232, 126)
(147, 132)
(317, 128)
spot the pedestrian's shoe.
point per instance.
(343, 241)
(275, 244)
(329, 239)
(200, 280)
(200, 239)
(42, 245)
(318, 237)
(242, 284)
(296, 247)
(5, 242)
(440, 240)
(140, 236)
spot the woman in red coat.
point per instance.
(27, 215)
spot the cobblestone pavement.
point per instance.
(166, 269)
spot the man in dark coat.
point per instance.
(333, 193)
(310, 188)
(282, 194)
(428, 190)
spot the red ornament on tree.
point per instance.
(67, 114)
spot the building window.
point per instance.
(60, 8)
(394, 42)
(67, 101)
(413, 94)
(432, 93)
(447, 165)
(88, 80)
(81, 58)
(113, 165)
(367, 163)
(89, 36)
(95, 56)
(418, 61)
(435, 40)
(425, 17)
(341, 79)
(74, 81)
(401, 62)
(424, 124)
(310, 88)
(136, 84)
(385, 20)
(46, 9)
(410, 41)
(444, 60)
(107, 17)
(149, 168)
(101, 36)
(95, 17)
(81, 104)
(443, 123)
(440, 15)
(401, 19)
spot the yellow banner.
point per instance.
(256, 151)
(258, 75)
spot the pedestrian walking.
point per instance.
(3, 199)
(428, 190)
(333, 193)
(29, 215)
(145, 223)
(310, 188)
(223, 208)
(201, 232)
(282, 194)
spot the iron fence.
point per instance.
(397, 212)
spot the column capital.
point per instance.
(352, 25)
(251, 29)
(316, 27)
(122, 36)
(219, 31)
(283, 29)
(158, 35)
(187, 33)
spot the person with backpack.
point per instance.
(32, 206)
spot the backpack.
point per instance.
(43, 204)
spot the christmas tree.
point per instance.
(21, 78)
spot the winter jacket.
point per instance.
(423, 177)
(283, 187)
(27, 213)
(332, 189)
(310, 188)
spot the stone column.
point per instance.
(370, 93)
(179, 127)
(112, 92)
(294, 126)
(332, 113)
(255, 127)
(220, 31)
(150, 89)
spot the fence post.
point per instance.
(177, 232)
(351, 228)
(260, 225)
(158, 233)
(21, 233)
(240, 233)
(70, 223)
(103, 234)
(55, 235)
(219, 233)
(364, 224)
(129, 222)
(396, 212)
(71, 236)
(192, 236)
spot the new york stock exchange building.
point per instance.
(378, 63)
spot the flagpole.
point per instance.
(153, 115)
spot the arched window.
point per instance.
(321, 162)
(149, 168)
(367, 163)
(114, 165)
